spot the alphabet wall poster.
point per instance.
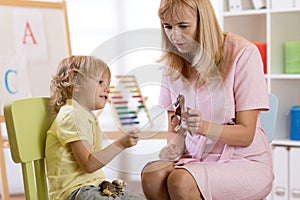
(30, 35)
(14, 79)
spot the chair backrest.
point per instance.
(27, 122)
(268, 118)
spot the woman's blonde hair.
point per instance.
(71, 73)
(210, 59)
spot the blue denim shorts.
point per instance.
(92, 193)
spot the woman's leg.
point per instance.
(154, 180)
(182, 185)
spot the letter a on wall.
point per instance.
(14, 79)
(30, 35)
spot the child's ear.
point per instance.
(76, 87)
(75, 90)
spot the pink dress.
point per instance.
(223, 171)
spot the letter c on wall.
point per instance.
(7, 75)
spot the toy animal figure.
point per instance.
(181, 112)
(113, 188)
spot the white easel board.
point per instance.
(34, 37)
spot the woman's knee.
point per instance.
(182, 183)
(154, 178)
(157, 166)
(180, 178)
(155, 171)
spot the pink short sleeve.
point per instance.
(165, 94)
(250, 85)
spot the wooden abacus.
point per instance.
(128, 102)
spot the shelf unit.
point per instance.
(274, 27)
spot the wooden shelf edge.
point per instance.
(110, 135)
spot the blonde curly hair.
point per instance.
(71, 73)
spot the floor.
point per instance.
(16, 197)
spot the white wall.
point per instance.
(92, 22)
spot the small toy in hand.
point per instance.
(113, 189)
(180, 113)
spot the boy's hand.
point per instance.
(129, 139)
(134, 133)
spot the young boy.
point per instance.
(74, 153)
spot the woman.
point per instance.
(224, 150)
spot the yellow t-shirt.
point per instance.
(72, 123)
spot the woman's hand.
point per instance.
(194, 122)
(170, 152)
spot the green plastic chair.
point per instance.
(27, 122)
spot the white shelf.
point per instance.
(285, 142)
(259, 12)
(286, 10)
(284, 76)
(244, 12)
(275, 27)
